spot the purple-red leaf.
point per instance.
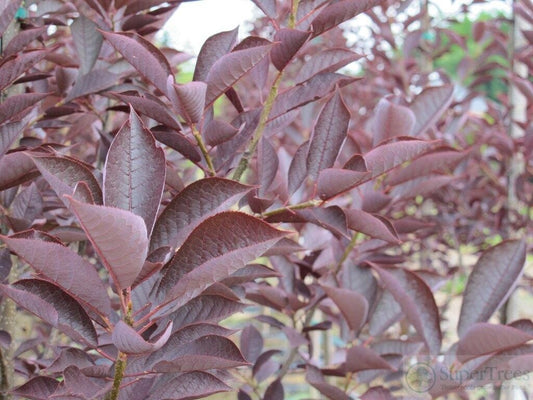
(22, 39)
(334, 181)
(191, 206)
(275, 391)
(316, 379)
(267, 6)
(17, 65)
(188, 99)
(361, 358)
(16, 168)
(66, 269)
(231, 67)
(371, 225)
(128, 341)
(134, 174)
(329, 60)
(328, 135)
(417, 303)
(429, 105)
(291, 40)
(7, 13)
(118, 236)
(8, 134)
(40, 387)
(338, 12)
(391, 120)
(251, 343)
(87, 40)
(143, 56)
(484, 338)
(94, 81)
(54, 306)
(212, 50)
(178, 142)
(63, 174)
(219, 246)
(216, 132)
(491, 282)
(352, 306)
(267, 160)
(191, 385)
(15, 104)
(298, 167)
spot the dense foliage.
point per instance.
(330, 190)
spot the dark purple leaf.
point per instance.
(352, 305)
(37, 388)
(484, 338)
(429, 105)
(22, 39)
(134, 174)
(315, 378)
(267, 160)
(15, 104)
(66, 269)
(231, 67)
(118, 236)
(251, 343)
(377, 393)
(248, 274)
(191, 206)
(212, 50)
(298, 167)
(216, 132)
(290, 41)
(178, 142)
(63, 174)
(238, 238)
(491, 282)
(385, 312)
(94, 81)
(78, 385)
(8, 134)
(417, 303)
(338, 12)
(275, 391)
(391, 120)
(7, 13)
(262, 360)
(128, 341)
(328, 135)
(70, 356)
(54, 306)
(191, 385)
(331, 218)
(27, 206)
(372, 225)
(5, 264)
(329, 60)
(361, 358)
(143, 56)
(87, 40)
(188, 99)
(17, 65)
(16, 168)
(334, 181)
(267, 6)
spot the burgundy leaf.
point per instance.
(17, 65)
(391, 120)
(291, 40)
(361, 358)
(231, 67)
(212, 50)
(7, 13)
(188, 99)
(372, 225)
(352, 306)
(377, 393)
(8, 134)
(275, 391)
(328, 135)
(251, 343)
(385, 312)
(63, 174)
(143, 56)
(94, 81)
(334, 181)
(118, 236)
(16, 168)
(15, 104)
(191, 385)
(151, 107)
(391, 155)
(178, 142)
(417, 302)
(22, 39)
(268, 162)
(216, 132)
(331, 218)
(134, 175)
(329, 60)
(484, 338)
(205, 353)
(338, 12)
(54, 306)
(429, 105)
(250, 273)
(40, 387)
(239, 238)
(491, 282)
(191, 206)
(128, 341)
(298, 167)
(66, 269)
(27, 206)
(267, 6)
(315, 378)
(88, 42)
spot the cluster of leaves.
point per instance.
(138, 213)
